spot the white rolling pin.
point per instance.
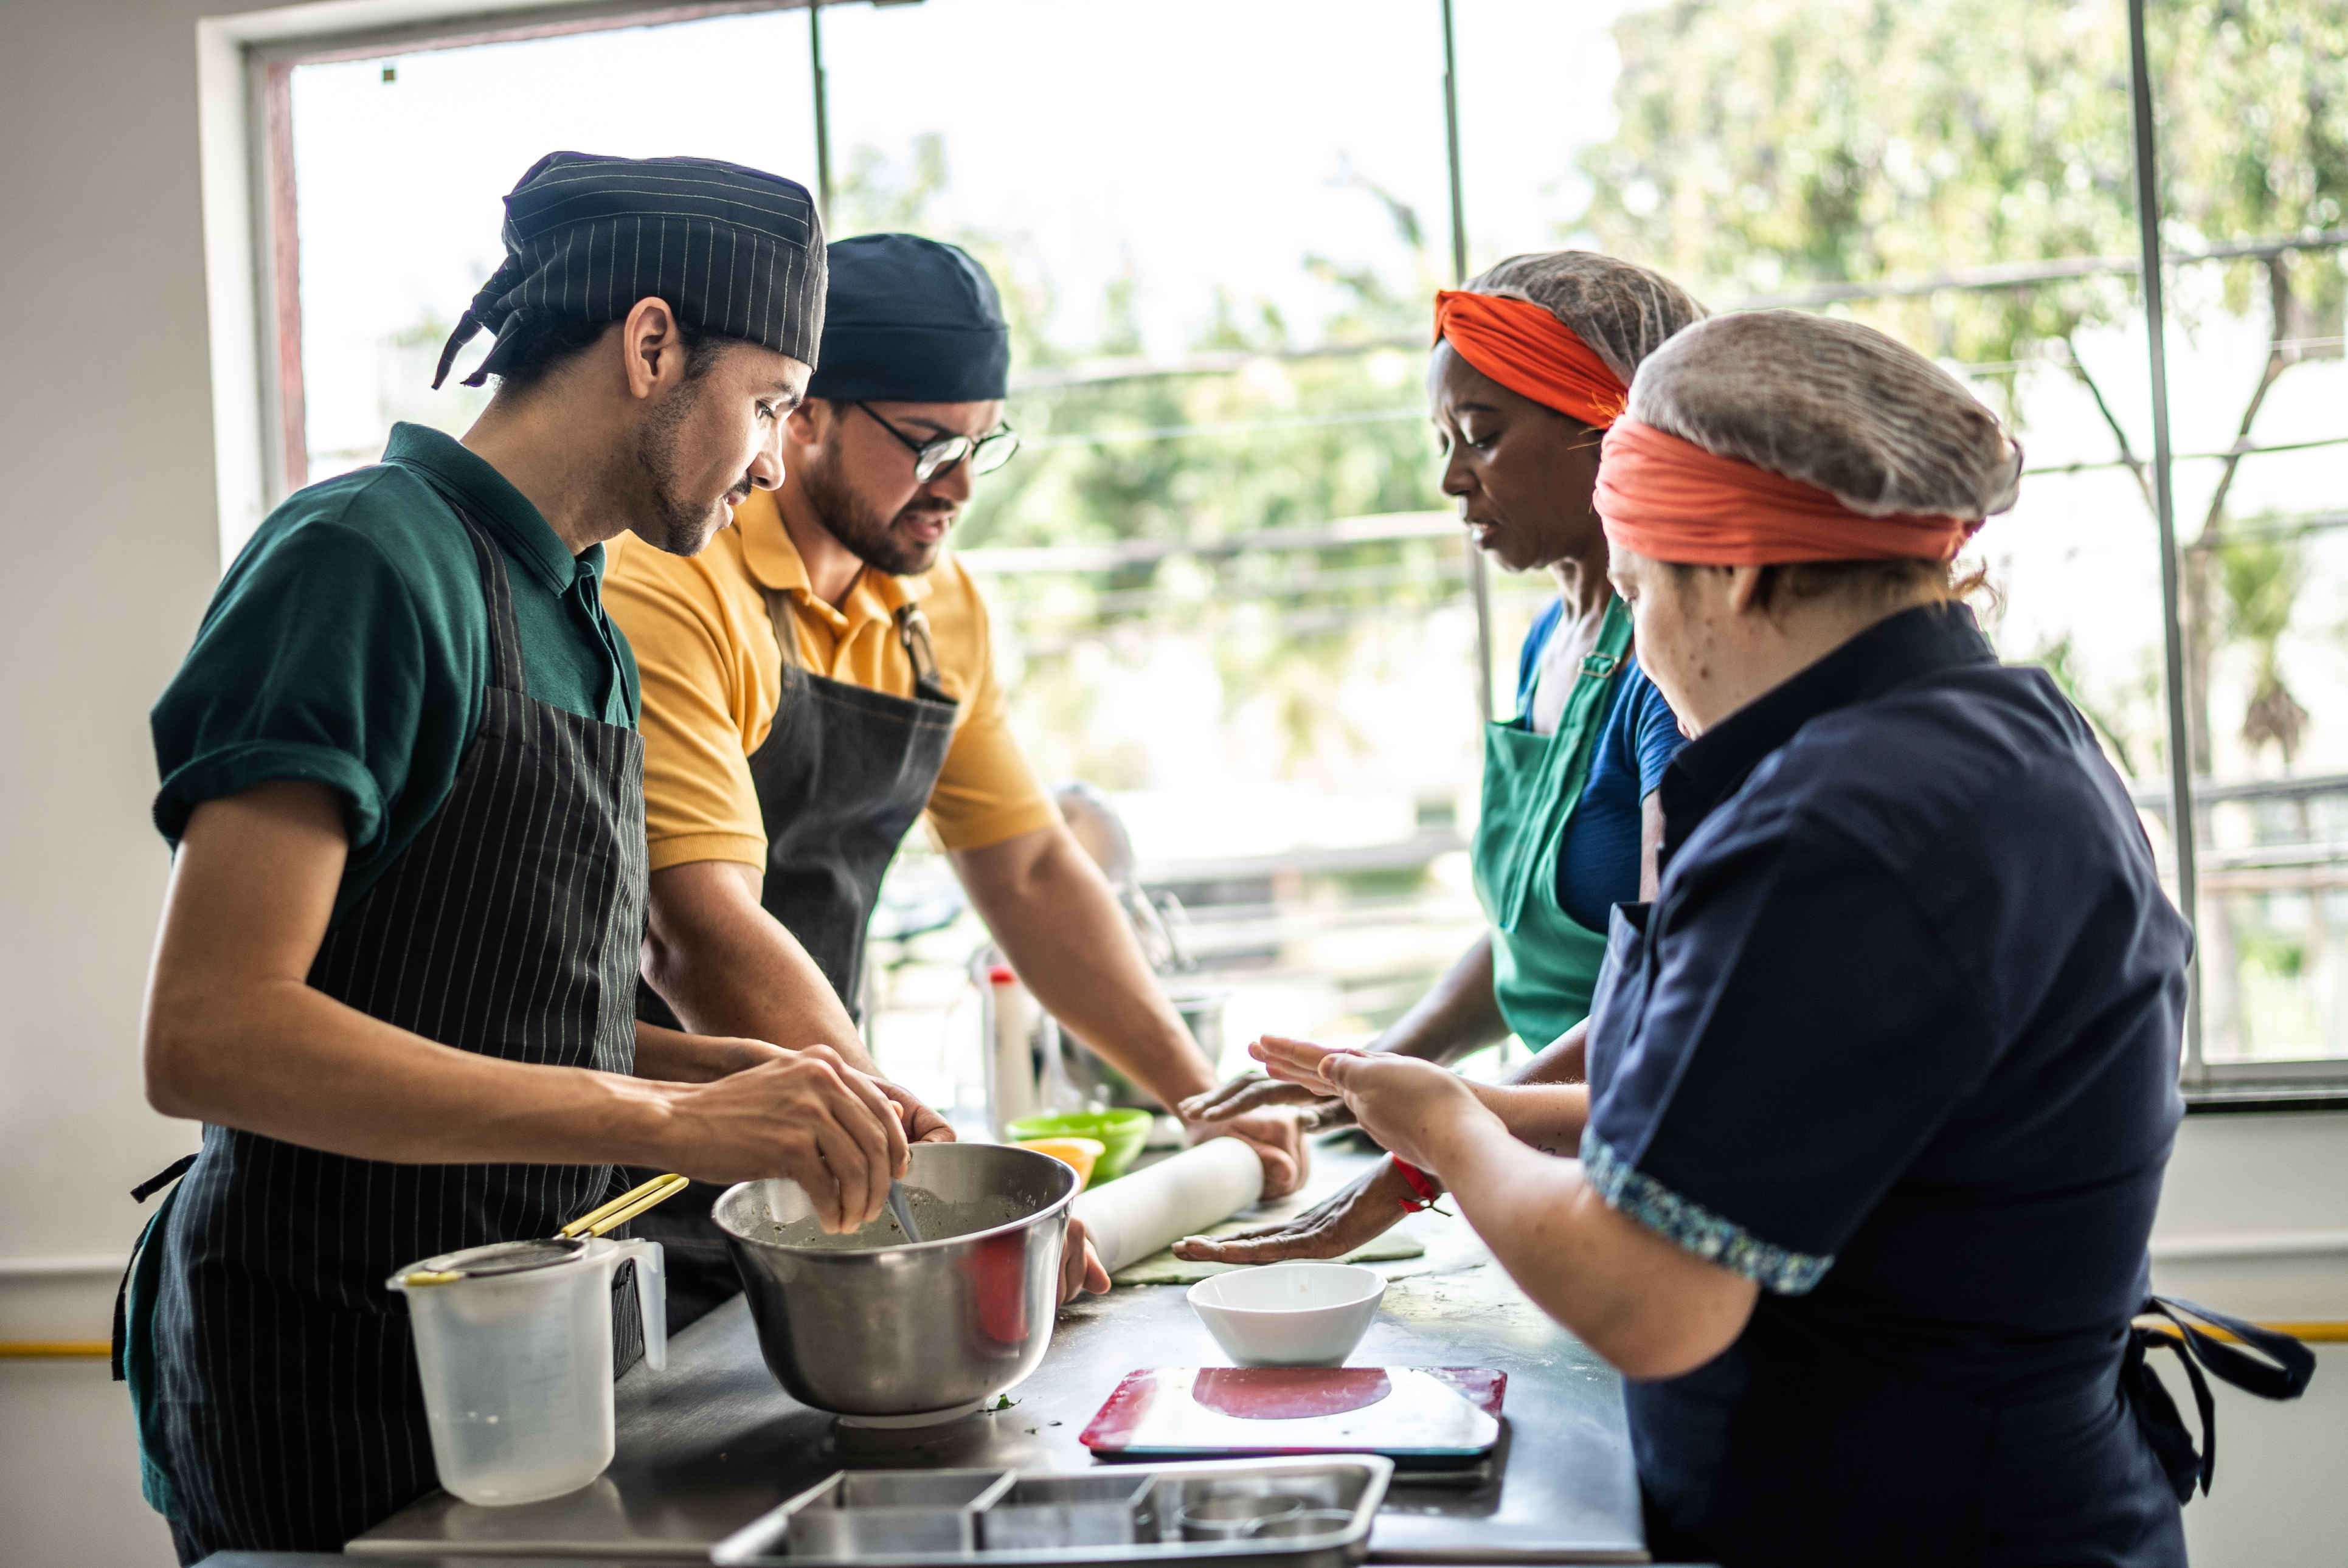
(1148, 1209)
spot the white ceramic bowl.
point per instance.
(1289, 1313)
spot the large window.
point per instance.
(1226, 590)
(399, 163)
(1963, 175)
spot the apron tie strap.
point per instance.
(161, 1179)
(141, 1193)
(913, 635)
(2284, 1375)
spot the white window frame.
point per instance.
(252, 260)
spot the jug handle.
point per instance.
(652, 1299)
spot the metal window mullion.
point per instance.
(1479, 573)
(2181, 828)
(822, 109)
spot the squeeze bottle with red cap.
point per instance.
(1011, 1017)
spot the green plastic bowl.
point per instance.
(1121, 1134)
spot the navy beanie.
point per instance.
(909, 320)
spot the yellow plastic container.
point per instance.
(1079, 1154)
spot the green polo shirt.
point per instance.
(349, 645)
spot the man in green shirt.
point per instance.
(348, 646)
(397, 971)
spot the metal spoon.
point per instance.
(902, 1209)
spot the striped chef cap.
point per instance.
(732, 251)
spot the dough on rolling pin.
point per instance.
(1149, 1209)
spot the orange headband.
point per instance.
(1531, 352)
(1671, 501)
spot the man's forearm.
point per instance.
(1060, 923)
(676, 1058)
(1455, 1016)
(236, 1034)
(292, 1063)
(728, 968)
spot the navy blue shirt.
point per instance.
(1897, 1040)
(1598, 867)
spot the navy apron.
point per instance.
(844, 774)
(279, 1407)
(1792, 1448)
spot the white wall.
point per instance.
(107, 518)
(106, 521)
(2239, 1182)
(109, 522)
(108, 530)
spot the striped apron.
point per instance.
(278, 1402)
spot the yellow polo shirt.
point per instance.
(713, 674)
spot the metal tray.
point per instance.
(1073, 1520)
(860, 1515)
(1114, 1509)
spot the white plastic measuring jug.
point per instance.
(514, 1344)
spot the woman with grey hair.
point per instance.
(1883, 1078)
(1533, 362)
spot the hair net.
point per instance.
(1623, 310)
(1835, 405)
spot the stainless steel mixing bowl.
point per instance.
(908, 1330)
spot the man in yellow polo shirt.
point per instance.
(821, 676)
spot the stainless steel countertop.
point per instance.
(711, 1442)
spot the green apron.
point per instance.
(1544, 962)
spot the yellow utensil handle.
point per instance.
(595, 1222)
(676, 1184)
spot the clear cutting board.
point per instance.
(1419, 1413)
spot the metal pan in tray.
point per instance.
(1057, 1510)
(1292, 1513)
(859, 1516)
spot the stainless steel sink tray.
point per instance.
(1318, 1513)
(862, 1515)
(1109, 1509)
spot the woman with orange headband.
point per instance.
(1882, 1081)
(1533, 362)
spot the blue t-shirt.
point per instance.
(1599, 866)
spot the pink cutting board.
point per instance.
(1195, 1412)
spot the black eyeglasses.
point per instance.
(986, 453)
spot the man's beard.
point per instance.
(867, 534)
(675, 521)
